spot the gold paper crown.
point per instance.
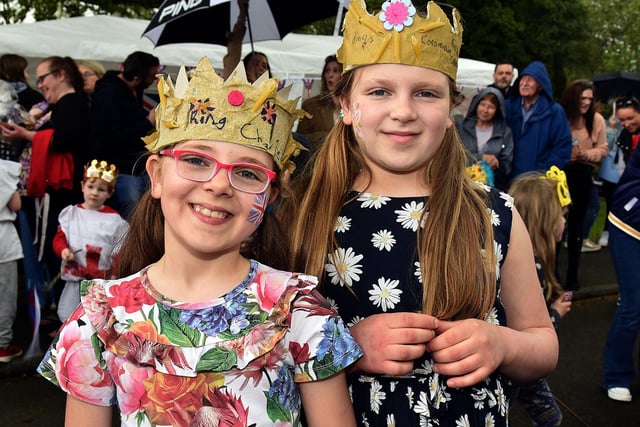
(562, 186)
(209, 108)
(398, 35)
(101, 170)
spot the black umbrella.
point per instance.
(209, 21)
(616, 84)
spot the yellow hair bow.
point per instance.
(555, 174)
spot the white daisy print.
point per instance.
(372, 200)
(422, 406)
(409, 215)
(424, 369)
(343, 224)
(495, 218)
(410, 396)
(503, 403)
(376, 396)
(384, 294)
(343, 267)
(417, 272)
(463, 421)
(489, 421)
(508, 200)
(492, 317)
(497, 250)
(354, 321)
(383, 240)
(391, 420)
(332, 303)
(479, 397)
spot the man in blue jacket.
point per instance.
(539, 125)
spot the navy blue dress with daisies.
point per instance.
(377, 254)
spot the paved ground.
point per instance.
(28, 400)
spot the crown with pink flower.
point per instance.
(208, 107)
(398, 34)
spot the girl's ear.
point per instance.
(345, 111)
(275, 192)
(450, 123)
(154, 171)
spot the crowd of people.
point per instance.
(209, 275)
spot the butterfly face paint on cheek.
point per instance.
(258, 208)
(357, 116)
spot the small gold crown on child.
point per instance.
(399, 35)
(209, 108)
(101, 170)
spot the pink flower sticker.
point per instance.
(397, 14)
(235, 98)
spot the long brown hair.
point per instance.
(12, 67)
(536, 199)
(571, 100)
(455, 247)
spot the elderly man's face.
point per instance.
(528, 86)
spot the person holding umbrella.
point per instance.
(255, 63)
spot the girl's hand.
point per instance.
(66, 254)
(562, 307)
(392, 341)
(467, 350)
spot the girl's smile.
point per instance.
(400, 123)
(211, 216)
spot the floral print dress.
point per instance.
(232, 361)
(377, 255)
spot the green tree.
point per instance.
(617, 31)
(573, 38)
(522, 31)
(15, 11)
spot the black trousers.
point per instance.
(580, 180)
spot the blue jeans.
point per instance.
(127, 193)
(618, 354)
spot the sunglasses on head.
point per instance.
(629, 101)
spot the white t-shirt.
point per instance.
(483, 135)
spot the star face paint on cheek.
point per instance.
(256, 213)
(357, 117)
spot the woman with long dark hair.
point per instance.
(588, 133)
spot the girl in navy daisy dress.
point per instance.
(432, 272)
(382, 275)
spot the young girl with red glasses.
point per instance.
(200, 332)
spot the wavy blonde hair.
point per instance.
(455, 247)
(536, 198)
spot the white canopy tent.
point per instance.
(110, 39)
